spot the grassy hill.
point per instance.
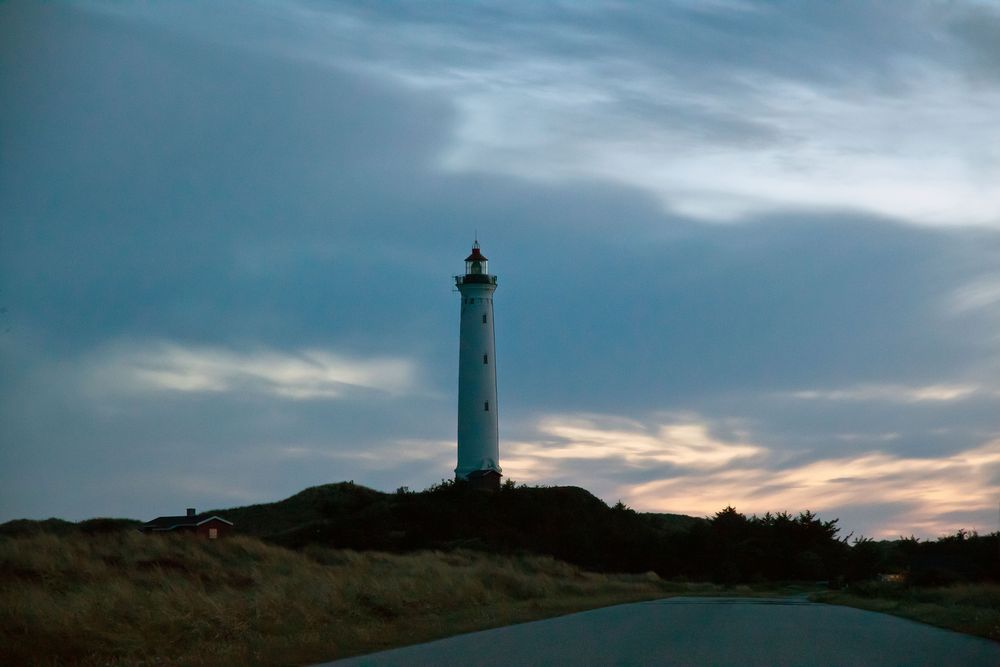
(126, 598)
(307, 507)
(365, 570)
(53, 526)
(566, 522)
(571, 524)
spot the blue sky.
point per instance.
(749, 253)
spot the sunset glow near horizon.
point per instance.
(748, 253)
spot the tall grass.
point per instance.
(970, 608)
(133, 599)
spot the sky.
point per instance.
(748, 253)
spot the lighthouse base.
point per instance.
(482, 480)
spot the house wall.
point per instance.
(222, 528)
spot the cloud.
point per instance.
(675, 464)
(302, 375)
(388, 455)
(790, 145)
(980, 295)
(307, 149)
(564, 439)
(560, 96)
(894, 393)
(931, 493)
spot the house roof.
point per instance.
(182, 521)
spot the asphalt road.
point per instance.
(705, 631)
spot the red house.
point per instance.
(211, 526)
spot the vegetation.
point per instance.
(970, 608)
(962, 557)
(570, 524)
(567, 523)
(952, 582)
(125, 598)
(341, 569)
(21, 527)
(728, 548)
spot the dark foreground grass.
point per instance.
(132, 599)
(970, 608)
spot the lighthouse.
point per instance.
(478, 437)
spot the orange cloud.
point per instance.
(686, 443)
(929, 487)
(714, 473)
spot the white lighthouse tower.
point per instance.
(478, 438)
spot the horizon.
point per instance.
(748, 253)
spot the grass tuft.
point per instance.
(125, 598)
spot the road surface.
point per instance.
(704, 631)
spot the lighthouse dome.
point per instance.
(476, 255)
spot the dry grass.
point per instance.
(970, 608)
(133, 599)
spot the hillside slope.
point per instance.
(566, 522)
(125, 598)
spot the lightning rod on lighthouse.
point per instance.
(478, 433)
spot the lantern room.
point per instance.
(476, 263)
